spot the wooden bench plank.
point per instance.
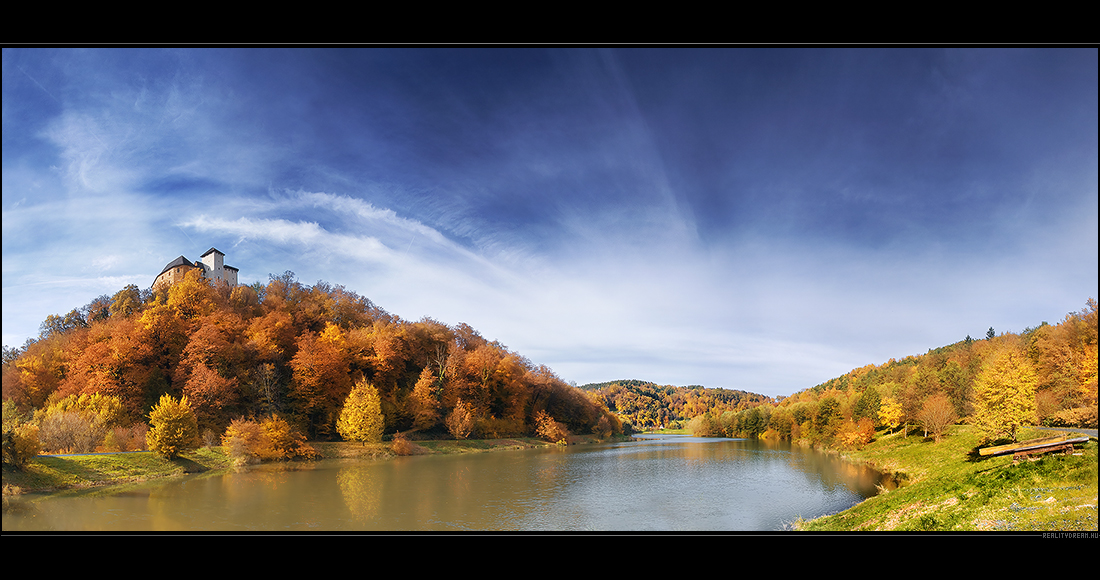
(1033, 444)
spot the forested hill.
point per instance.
(646, 405)
(293, 350)
(1044, 375)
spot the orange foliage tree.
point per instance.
(460, 421)
(320, 383)
(937, 414)
(271, 439)
(425, 400)
(212, 396)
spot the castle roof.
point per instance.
(180, 261)
(211, 250)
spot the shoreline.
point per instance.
(949, 487)
(945, 486)
(60, 473)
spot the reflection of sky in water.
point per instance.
(678, 482)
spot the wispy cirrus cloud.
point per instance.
(760, 219)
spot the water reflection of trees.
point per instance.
(719, 485)
(832, 471)
(361, 490)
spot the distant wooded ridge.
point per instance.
(1044, 375)
(648, 405)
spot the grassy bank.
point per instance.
(47, 473)
(952, 488)
(82, 471)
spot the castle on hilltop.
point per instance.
(212, 267)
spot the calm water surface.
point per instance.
(659, 483)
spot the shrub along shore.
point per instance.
(950, 487)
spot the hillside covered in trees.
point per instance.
(284, 349)
(645, 405)
(1045, 375)
(296, 352)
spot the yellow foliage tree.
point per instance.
(173, 428)
(1087, 375)
(890, 413)
(1004, 393)
(78, 423)
(20, 437)
(361, 418)
(191, 297)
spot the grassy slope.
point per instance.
(80, 471)
(952, 488)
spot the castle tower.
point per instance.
(214, 261)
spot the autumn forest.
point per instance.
(297, 354)
(1044, 375)
(285, 350)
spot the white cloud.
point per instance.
(760, 316)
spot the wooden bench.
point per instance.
(1021, 454)
(1034, 447)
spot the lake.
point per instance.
(664, 483)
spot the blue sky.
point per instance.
(754, 218)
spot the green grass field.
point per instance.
(81, 471)
(952, 488)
